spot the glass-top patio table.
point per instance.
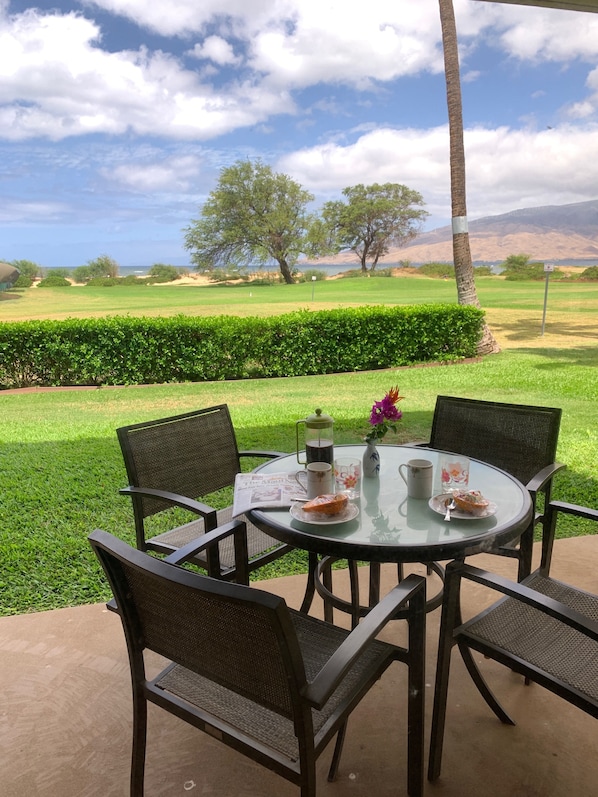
(390, 527)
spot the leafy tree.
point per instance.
(102, 266)
(82, 274)
(371, 219)
(519, 267)
(27, 268)
(253, 215)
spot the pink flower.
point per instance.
(384, 415)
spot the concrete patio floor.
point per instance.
(65, 717)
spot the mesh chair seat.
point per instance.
(317, 641)
(542, 641)
(258, 543)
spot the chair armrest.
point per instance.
(574, 509)
(331, 674)
(541, 479)
(265, 454)
(519, 591)
(238, 528)
(172, 498)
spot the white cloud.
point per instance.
(173, 174)
(501, 175)
(57, 83)
(216, 49)
(548, 34)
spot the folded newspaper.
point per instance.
(265, 490)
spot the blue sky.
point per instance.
(116, 116)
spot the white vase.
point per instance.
(371, 461)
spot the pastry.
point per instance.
(472, 502)
(327, 504)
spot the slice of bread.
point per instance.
(327, 504)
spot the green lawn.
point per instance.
(61, 465)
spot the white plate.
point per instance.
(320, 519)
(438, 504)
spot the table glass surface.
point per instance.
(390, 525)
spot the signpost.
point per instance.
(548, 267)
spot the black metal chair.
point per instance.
(174, 461)
(544, 629)
(272, 683)
(517, 438)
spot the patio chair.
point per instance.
(517, 438)
(269, 682)
(543, 628)
(174, 461)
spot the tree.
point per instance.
(102, 266)
(373, 218)
(466, 289)
(27, 268)
(253, 215)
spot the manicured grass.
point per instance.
(61, 465)
(494, 292)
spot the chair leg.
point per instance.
(374, 596)
(416, 695)
(526, 548)
(483, 687)
(139, 741)
(310, 588)
(354, 581)
(338, 749)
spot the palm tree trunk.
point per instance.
(466, 289)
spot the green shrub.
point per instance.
(131, 279)
(353, 273)
(121, 350)
(103, 282)
(483, 271)
(437, 270)
(311, 274)
(160, 272)
(54, 282)
(23, 282)
(590, 273)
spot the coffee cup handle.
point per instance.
(299, 481)
(401, 472)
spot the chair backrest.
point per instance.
(517, 438)
(236, 636)
(191, 454)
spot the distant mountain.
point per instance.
(553, 233)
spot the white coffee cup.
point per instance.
(316, 479)
(418, 478)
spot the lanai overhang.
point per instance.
(574, 5)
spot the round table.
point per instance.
(390, 527)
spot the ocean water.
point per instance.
(328, 268)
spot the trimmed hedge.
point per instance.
(121, 350)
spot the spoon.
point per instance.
(449, 504)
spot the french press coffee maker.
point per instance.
(318, 438)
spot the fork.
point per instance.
(449, 506)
